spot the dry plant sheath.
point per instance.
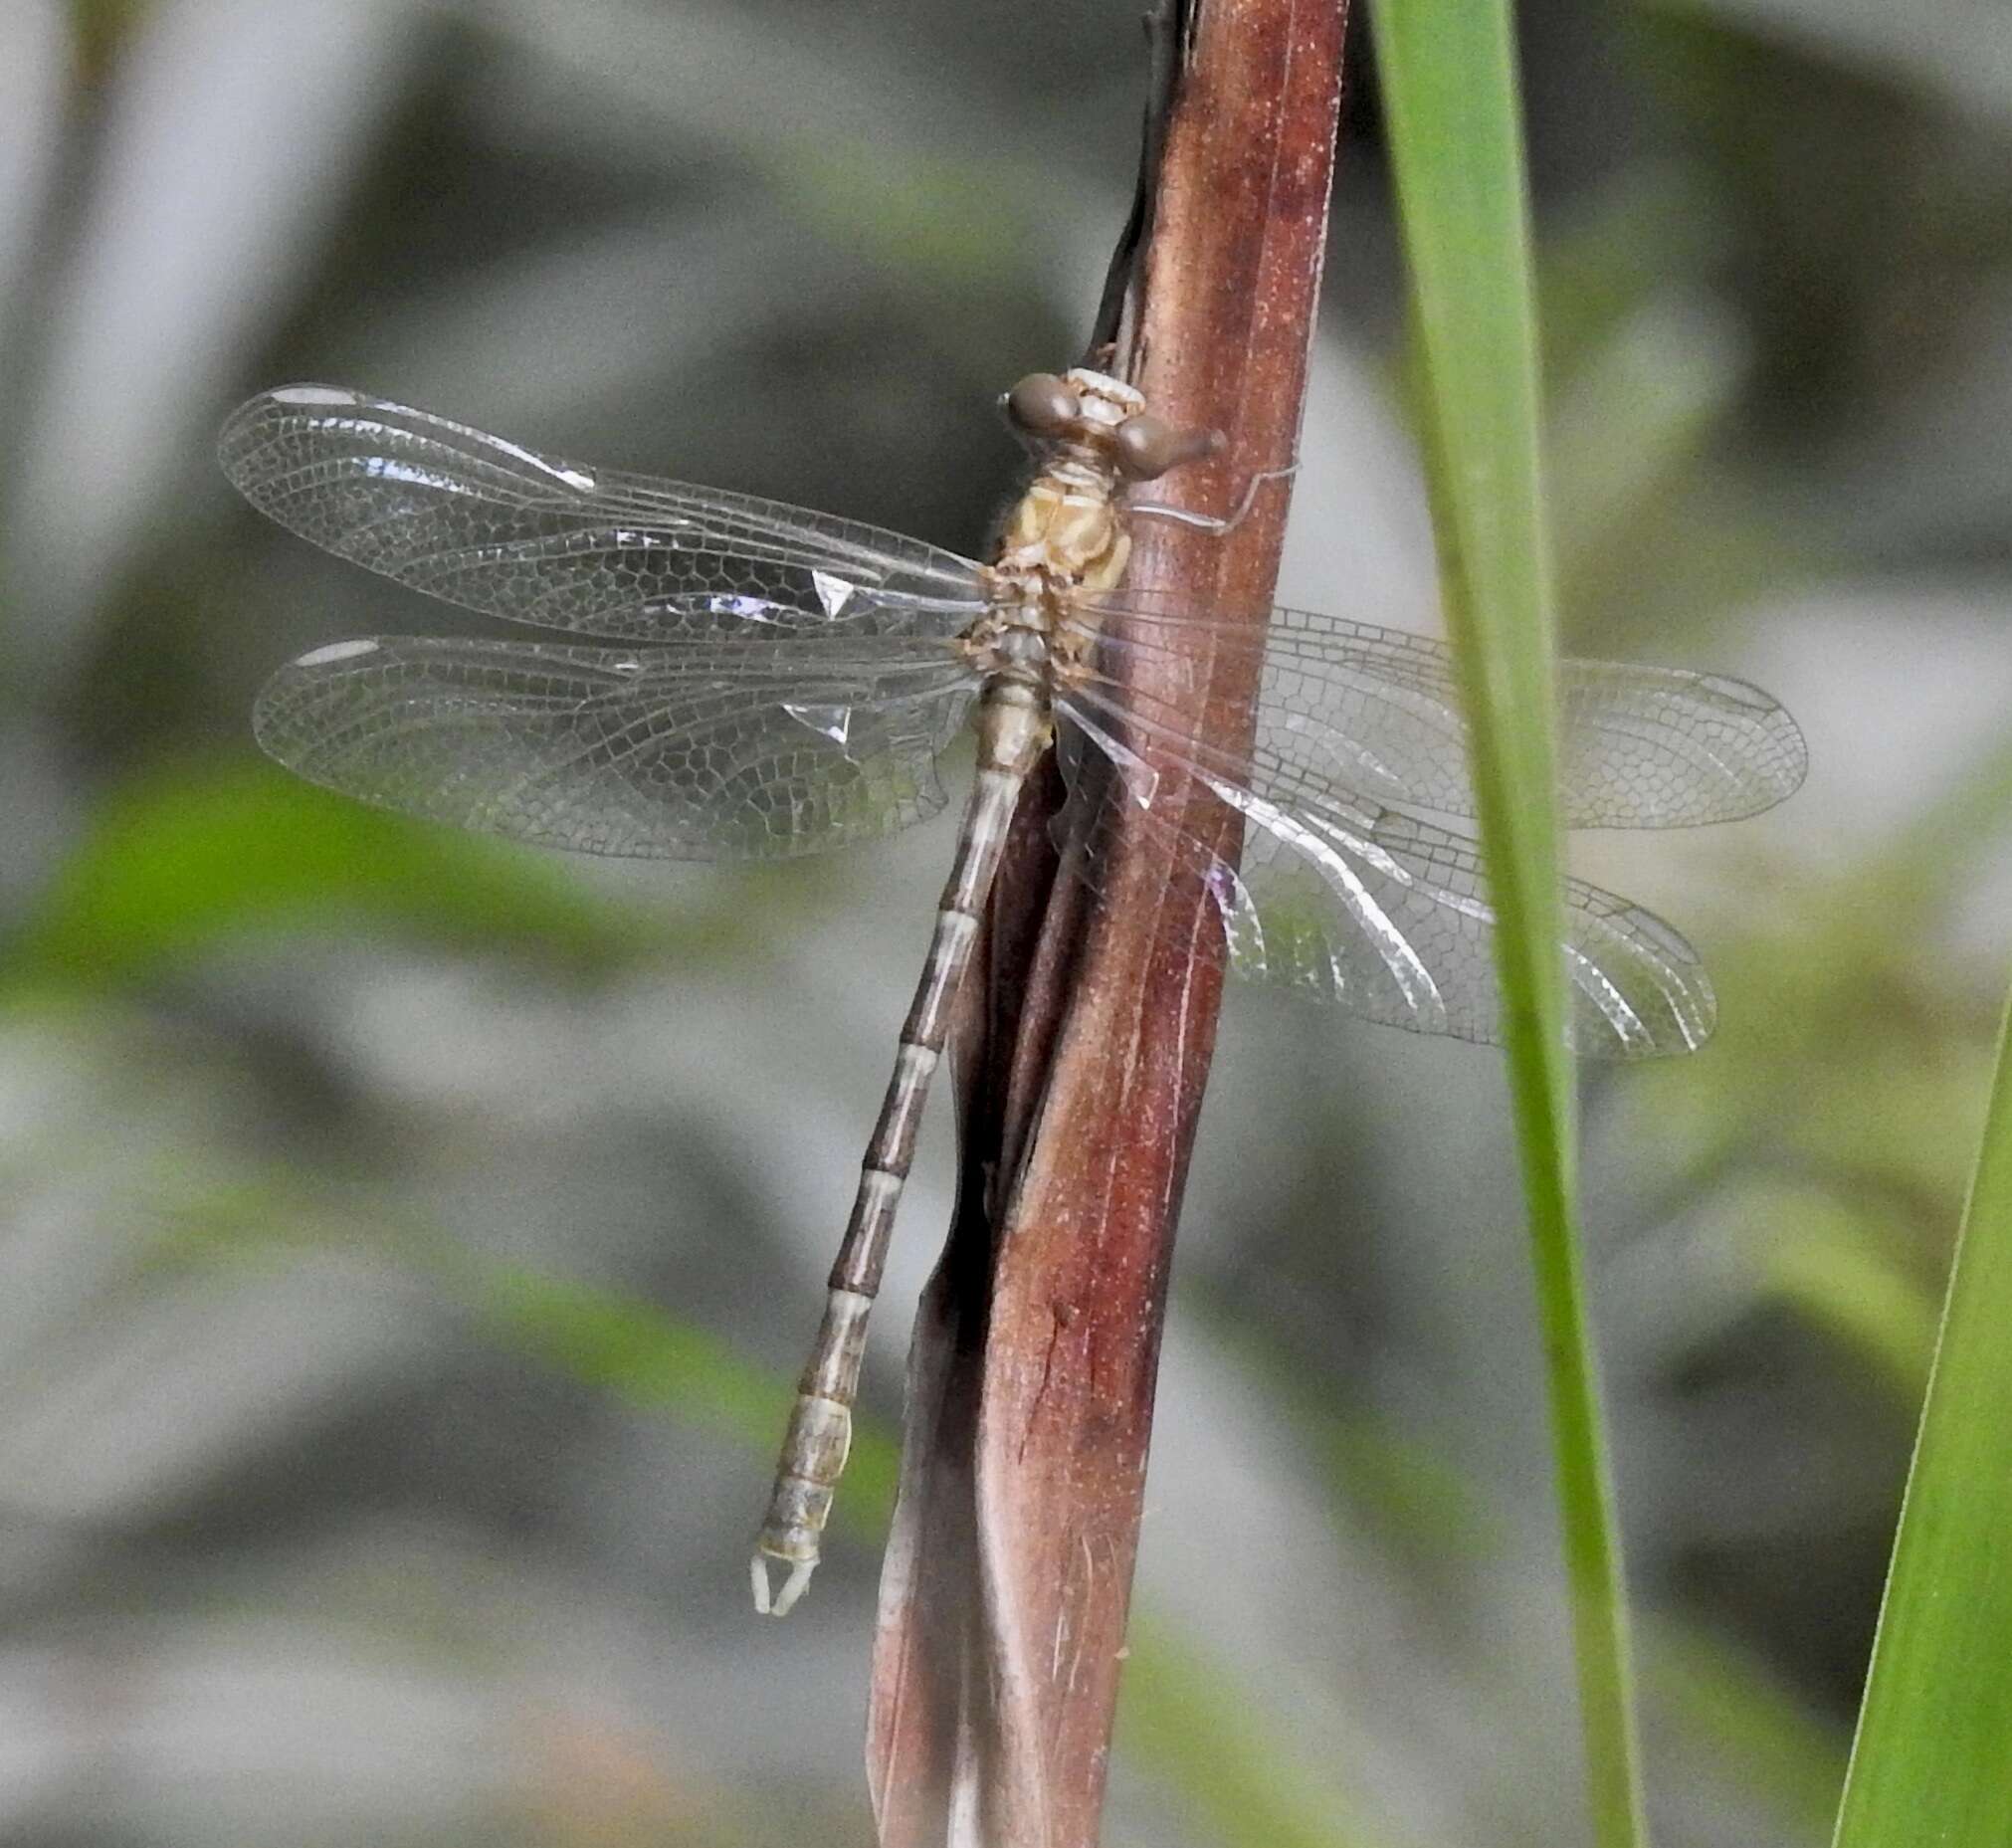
(1085, 1039)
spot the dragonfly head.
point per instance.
(1105, 421)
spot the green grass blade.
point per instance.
(1935, 1739)
(1450, 95)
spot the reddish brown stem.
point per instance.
(1084, 1045)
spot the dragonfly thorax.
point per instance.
(1066, 532)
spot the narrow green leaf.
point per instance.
(1449, 94)
(1935, 1738)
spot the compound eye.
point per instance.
(1148, 446)
(1041, 405)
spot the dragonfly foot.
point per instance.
(793, 1587)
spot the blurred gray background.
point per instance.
(406, 1243)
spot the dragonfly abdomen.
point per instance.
(1013, 729)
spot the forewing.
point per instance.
(1373, 911)
(1375, 715)
(715, 753)
(487, 523)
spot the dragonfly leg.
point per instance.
(1212, 522)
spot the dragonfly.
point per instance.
(763, 680)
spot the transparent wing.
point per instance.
(709, 754)
(1375, 713)
(485, 523)
(1356, 905)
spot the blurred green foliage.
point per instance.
(190, 859)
